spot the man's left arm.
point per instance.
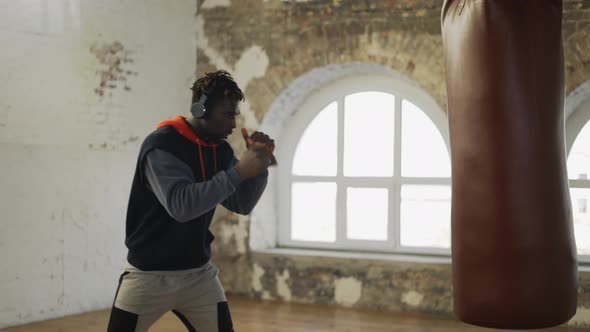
(248, 193)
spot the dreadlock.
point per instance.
(218, 85)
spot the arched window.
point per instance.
(578, 166)
(365, 166)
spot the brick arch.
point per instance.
(577, 112)
(418, 57)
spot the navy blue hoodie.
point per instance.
(179, 180)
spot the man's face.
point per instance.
(220, 120)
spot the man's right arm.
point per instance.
(175, 186)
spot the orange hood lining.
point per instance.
(181, 126)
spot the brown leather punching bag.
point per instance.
(514, 257)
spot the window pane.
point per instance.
(424, 153)
(366, 213)
(368, 134)
(581, 212)
(578, 163)
(313, 212)
(425, 219)
(316, 152)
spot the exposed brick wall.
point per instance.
(576, 35)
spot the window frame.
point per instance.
(577, 118)
(337, 91)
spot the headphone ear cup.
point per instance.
(198, 110)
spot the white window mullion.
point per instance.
(382, 182)
(393, 216)
(341, 215)
(284, 233)
(358, 182)
(397, 163)
(311, 178)
(341, 188)
(579, 184)
(427, 181)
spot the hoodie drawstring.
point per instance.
(215, 157)
(201, 158)
(202, 164)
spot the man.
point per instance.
(184, 170)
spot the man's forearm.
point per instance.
(247, 195)
(174, 184)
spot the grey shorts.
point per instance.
(195, 296)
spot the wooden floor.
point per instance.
(259, 316)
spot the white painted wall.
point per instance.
(67, 155)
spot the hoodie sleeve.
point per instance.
(248, 193)
(175, 186)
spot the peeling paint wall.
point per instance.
(82, 82)
(268, 45)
